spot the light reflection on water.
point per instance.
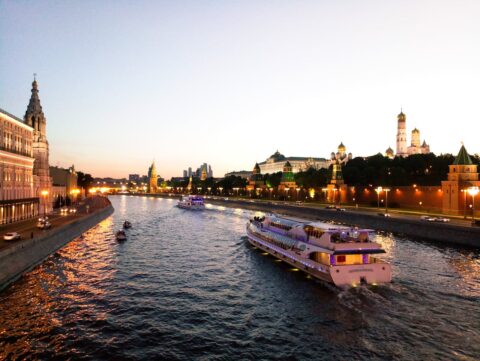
(186, 285)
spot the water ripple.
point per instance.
(187, 285)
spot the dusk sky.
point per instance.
(230, 82)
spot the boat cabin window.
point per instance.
(280, 226)
(314, 232)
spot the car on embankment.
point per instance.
(11, 236)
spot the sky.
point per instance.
(123, 83)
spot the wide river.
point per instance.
(188, 286)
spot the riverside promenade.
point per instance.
(18, 257)
(458, 231)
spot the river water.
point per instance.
(188, 286)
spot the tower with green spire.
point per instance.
(462, 175)
(288, 179)
(256, 179)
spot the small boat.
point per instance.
(120, 236)
(340, 255)
(127, 225)
(195, 203)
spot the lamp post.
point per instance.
(75, 192)
(465, 204)
(286, 193)
(378, 190)
(473, 191)
(386, 199)
(44, 194)
(298, 190)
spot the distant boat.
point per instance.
(127, 225)
(195, 203)
(120, 236)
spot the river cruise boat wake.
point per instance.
(195, 203)
(340, 255)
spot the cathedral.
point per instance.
(403, 149)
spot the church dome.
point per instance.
(401, 117)
(341, 147)
(416, 131)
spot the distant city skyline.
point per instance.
(122, 83)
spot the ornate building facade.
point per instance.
(403, 149)
(18, 199)
(276, 162)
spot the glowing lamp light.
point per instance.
(44, 193)
(473, 191)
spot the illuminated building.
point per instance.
(34, 117)
(256, 179)
(64, 177)
(277, 160)
(403, 150)
(18, 199)
(462, 175)
(152, 179)
(288, 179)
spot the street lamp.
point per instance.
(473, 191)
(75, 192)
(465, 204)
(286, 193)
(44, 194)
(378, 190)
(386, 199)
(298, 190)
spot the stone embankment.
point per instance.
(414, 228)
(25, 255)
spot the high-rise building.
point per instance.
(185, 173)
(190, 171)
(135, 178)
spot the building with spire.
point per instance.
(152, 179)
(389, 153)
(403, 150)
(25, 182)
(35, 118)
(463, 174)
(288, 178)
(256, 179)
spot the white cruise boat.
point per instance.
(340, 255)
(191, 202)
